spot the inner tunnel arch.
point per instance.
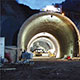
(61, 27)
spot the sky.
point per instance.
(38, 4)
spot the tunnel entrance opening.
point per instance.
(44, 45)
(39, 28)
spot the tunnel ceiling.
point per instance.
(62, 28)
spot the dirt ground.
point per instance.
(42, 70)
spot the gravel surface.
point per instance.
(42, 70)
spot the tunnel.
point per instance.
(49, 31)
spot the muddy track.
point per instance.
(42, 70)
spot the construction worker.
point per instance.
(25, 57)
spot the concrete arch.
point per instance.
(61, 27)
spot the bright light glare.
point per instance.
(51, 8)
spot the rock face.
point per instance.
(71, 5)
(72, 10)
(13, 16)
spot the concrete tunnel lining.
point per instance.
(48, 38)
(59, 26)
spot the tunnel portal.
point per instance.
(50, 33)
